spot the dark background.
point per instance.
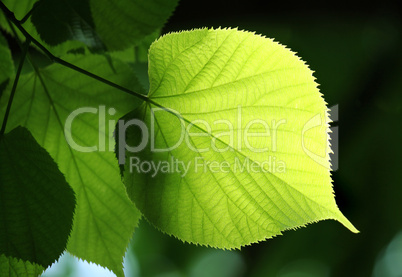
(355, 51)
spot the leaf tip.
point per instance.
(345, 222)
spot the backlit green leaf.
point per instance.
(105, 218)
(235, 148)
(37, 204)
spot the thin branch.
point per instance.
(14, 88)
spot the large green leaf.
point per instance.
(37, 204)
(105, 218)
(124, 23)
(244, 116)
(12, 267)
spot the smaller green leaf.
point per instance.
(143, 47)
(6, 62)
(139, 52)
(124, 23)
(22, 7)
(60, 20)
(105, 218)
(37, 204)
(12, 267)
(137, 58)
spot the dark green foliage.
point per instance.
(124, 23)
(37, 204)
(60, 20)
